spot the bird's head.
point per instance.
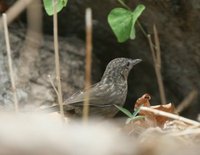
(119, 68)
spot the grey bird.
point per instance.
(110, 91)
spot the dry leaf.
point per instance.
(159, 120)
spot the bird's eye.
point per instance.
(128, 64)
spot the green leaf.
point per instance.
(134, 119)
(122, 22)
(125, 111)
(64, 2)
(135, 14)
(48, 5)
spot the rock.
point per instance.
(38, 90)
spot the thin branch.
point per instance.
(10, 62)
(32, 43)
(53, 85)
(156, 55)
(88, 20)
(142, 29)
(170, 115)
(57, 61)
(161, 86)
(152, 48)
(124, 5)
(157, 46)
(187, 101)
(158, 66)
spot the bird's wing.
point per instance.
(98, 94)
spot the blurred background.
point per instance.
(177, 22)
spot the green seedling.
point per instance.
(131, 116)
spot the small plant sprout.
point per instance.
(48, 5)
(131, 116)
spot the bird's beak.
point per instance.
(136, 61)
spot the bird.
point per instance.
(111, 90)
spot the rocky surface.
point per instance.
(37, 90)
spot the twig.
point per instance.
(57, 62)
(124, 5)
(15, 10)
(10, 62)
(32, 42)
(156, 55)
(157, 46)
(170, 115)
(52, 84)
(158, 66)
(187, 101)
(88, 20)
(152, 48)
(142, 29)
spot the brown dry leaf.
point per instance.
(159, 120)
(144, 100)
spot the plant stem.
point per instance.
(10, 62)
(156, 56)
(88, 19)
(57, 60)
(158, 66)
(32, 41)
(53, 85)
(124, 5)
(142, 29)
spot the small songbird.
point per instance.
(110, 91)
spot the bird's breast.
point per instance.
(118, 93)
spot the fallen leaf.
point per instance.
(144, 100)
(159, 120)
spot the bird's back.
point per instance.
(103, 97)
